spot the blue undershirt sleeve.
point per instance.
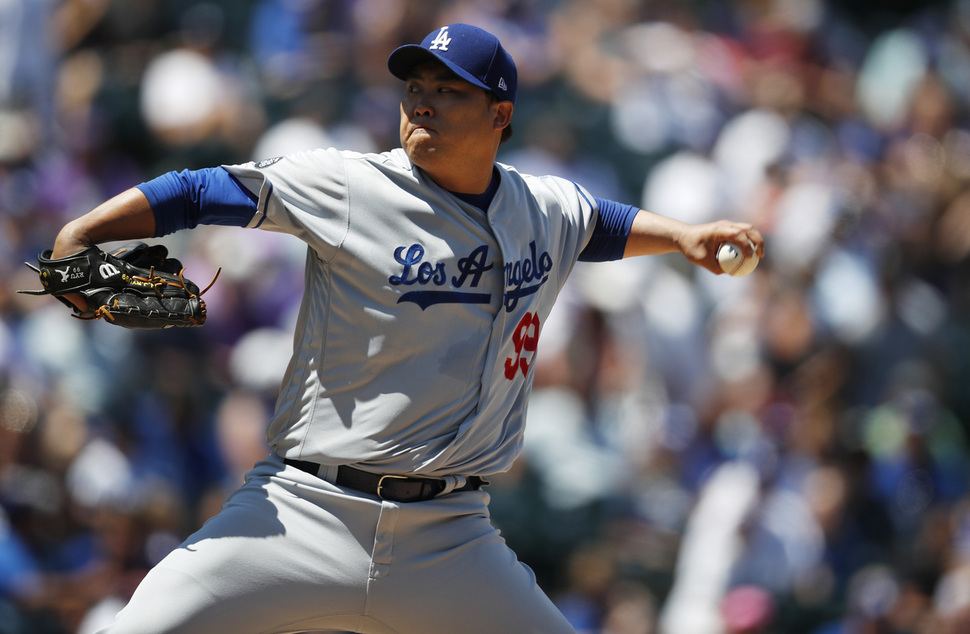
(186, 199)
(611, 231)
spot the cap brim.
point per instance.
(406, 57)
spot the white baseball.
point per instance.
(733, 262)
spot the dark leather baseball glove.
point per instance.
(135, 286)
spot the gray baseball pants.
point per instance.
(291, 552)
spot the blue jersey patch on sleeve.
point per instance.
(186, 199)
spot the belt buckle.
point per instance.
(380, 483)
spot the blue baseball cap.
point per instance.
(472, 53)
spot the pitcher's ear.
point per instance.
(503, 114)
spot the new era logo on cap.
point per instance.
(472, 53)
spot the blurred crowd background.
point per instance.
(782, 453)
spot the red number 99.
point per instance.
(525, 338)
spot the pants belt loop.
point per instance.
(452, 483)
(328, 472)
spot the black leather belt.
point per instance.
(394, 488)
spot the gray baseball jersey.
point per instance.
(417, 334)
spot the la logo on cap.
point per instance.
(442, 41)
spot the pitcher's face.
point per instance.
(447, 119)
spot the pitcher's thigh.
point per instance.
(473, 586)
(266, 560)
